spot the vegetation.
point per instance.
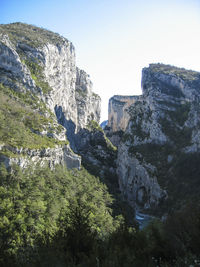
(61, 217)
(38, 76)
(176, 171)
(26, 97)
(35, 36)
(95, 95)
(169, 90)
(184, 74)
(36, 203)
(21, 126)
(94, 126)
(137, 118)
(173, 131)
(173, 124)
(81, 93)
(180, 114)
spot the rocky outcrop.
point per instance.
(98, 156)
(49, 68)
(61, 155)
(87, 108)
(88, 103)
(137, 181)
(97, 151)
(161, 138)
(41, 65)
(118, 116)
(12, 69)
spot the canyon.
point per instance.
(147, 145)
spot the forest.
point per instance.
(65, 217)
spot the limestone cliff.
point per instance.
(88, 103)
(38, 69)
(118, 115)
(161, 140)
(60, 154)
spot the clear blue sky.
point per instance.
(115, 39)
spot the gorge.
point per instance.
(61, 171)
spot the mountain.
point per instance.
(41, 89)
(159, 152)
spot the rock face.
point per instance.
(162, 139)
(47, 65)
(99, 157)
(137, 181)
(41, 64)
(118, 117)
(87, 107)
(98, 153)
(88, 103)
(52, 156)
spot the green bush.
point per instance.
(38, 76)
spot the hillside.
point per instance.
(41, 86)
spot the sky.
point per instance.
(115, 39)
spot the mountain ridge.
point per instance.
(163, 129)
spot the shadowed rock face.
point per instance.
(161, 139)
(38, 62)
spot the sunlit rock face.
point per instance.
(40, 62)
(88, 103)
(118, 116)
(46, 65)
(161, 139)
(61, 155)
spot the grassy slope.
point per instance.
(30, 34)
(22, 120)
